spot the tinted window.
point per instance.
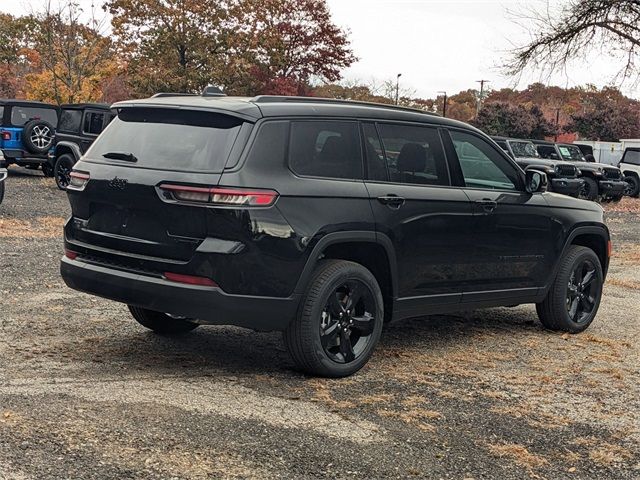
(70, 120)
(1, 114)
(482, 166)
(93, 122)
(376, 166)
(325, 149)
(21, 115)
(632, 157)
(414, 155)
(169, 139)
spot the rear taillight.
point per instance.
(78, 180)
(6, 135)
(190, 279)
(70, 254)
(218, 195)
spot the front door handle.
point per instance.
(392, 201)
(487, 205)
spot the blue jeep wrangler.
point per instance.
(27, 132)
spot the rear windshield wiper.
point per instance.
(127, 157)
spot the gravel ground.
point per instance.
(87, 393)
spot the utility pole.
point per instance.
(481, 97)
(555, 138)
(444, 104)
(398, 88)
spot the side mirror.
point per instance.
(535, 181)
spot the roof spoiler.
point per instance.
(209, 91)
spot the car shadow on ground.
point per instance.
(235, 351)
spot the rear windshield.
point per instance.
(632, 157)
(23, 114)
(169, 139)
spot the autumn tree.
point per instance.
(510, 121)
(246, 46)
(73, 57)
(16, 53)
(576, 30)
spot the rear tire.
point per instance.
(633, 190)
(339, 321)
(63, 168)
(161, 322)
(589, 189)
(574, 297)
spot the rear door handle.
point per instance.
(487, 205)
(392, 201)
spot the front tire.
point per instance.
(62, 170)
(589, 189)
(574, 297)
(161, 322)
(633, 189)
(339, 321)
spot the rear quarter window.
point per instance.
(70, 120)
(169, 139)
(632, 157)
(325, 148)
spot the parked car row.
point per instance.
(39, 135)
(568, 170)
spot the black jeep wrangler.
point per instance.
(601, 181)
(323, 219)
(27, 133)
(562, 176)
(80, 124)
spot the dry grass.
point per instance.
(625, 205)
(623, 282)
(518, 454)
(629, 255)
(42, 227)
(608, 454)
(535, 418)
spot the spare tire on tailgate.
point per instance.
(38, 136)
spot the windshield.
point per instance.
(168, 139)
(632, 157)
(570, 152)
(23, 114)
(523, 149)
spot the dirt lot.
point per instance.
(87, 393)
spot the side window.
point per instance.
(93, 122)
(70, 120)
(414, 154)
(324, 148)
(546, 151)
(376, 165)
(482, 166)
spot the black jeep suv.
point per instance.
(323, 219)
(562, 176)
(600, 180)
(80, 124)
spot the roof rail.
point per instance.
(169, 94)
(282, 98)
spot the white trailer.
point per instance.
(605, 152)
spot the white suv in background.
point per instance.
(630, 167)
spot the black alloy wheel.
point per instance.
(582, 291)
(348, 321)
(62, 171)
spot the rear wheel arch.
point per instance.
(63, 148)
(374, 251)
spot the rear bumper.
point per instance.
(207, 304)
(567, 186)
(612, 188)
(22, 156)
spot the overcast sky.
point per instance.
(435, 44)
